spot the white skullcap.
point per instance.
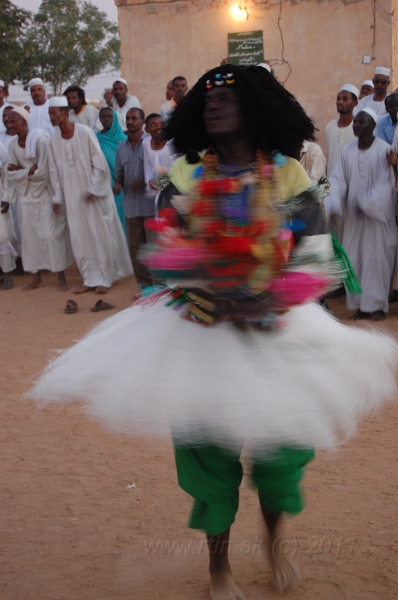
(368, 82)
(265, 66)
(382, 71)
(2, 83)
(348, 87)
(22, 112)
(371, 113)
(35, 81)
(59, 101)
(121, 80)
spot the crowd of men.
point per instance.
(77, 184)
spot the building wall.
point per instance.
(314, 46)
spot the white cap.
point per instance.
(121, 80)
(35, 81)
(265, 66)
(58, 101)
(382, 71)
(22, 112)
(2, 83)
(371, 113)
(348, 87)
(368, 82)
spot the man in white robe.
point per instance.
(122, 101)
(79, 110)
(362, 182)
(81, 186)
(3, 103)
(381, 81)
(8, 252)
(38, 108)
(45, 240)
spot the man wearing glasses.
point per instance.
(375, 101)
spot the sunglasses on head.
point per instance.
(382, 81)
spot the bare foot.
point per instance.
(101, 289)
(35, 283)
(61, 285)
(8, 283)
(83, 289)
(223, 587)
(286, 573)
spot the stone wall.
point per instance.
(314, 46)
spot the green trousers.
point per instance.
(212, 477)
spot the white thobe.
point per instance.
(154, 162)
(79, 168)
(39, 118)
(8, 252)
(131, 102)
(362, 182)
(336, 138)
(89, 115)
(369, 102)
(45, 238)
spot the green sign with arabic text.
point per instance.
(245, 48)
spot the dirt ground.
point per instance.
(72, 530)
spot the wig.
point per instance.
(272, 117)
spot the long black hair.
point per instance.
(272, 117)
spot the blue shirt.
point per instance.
(130, 166)
(385, 129)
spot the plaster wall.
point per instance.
(314, 46)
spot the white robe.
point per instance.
(362, 183)
(369, 102)
(78, 168)
(40, 119)
(8, 252)
(45, 237)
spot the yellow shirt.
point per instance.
(292, 180)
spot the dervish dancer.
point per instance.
(80, 181)
(362, 189)
(45, 238)
(247, 359)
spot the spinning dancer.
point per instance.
(247, 358)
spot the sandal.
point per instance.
(101, 305)
(71, 307)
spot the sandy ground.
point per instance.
(71, 530)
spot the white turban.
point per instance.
(121, 80)
(22, 112)
(382, 71)
(35, 81)
(371, 113)
(348, 87)
(265, 66)
(58, 101)
(368, 82)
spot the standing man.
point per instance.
(157, 153)
(386, 125)
(169, 104)
(122, 101)
(81, 189)
(5, 135)
(381, 81)
(130, 177)
(366, 89)
(180, 88)
(79, 110)
(45, 242)
(362, 182)
(38, 111)
(339, 132)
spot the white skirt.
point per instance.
(148, 371)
